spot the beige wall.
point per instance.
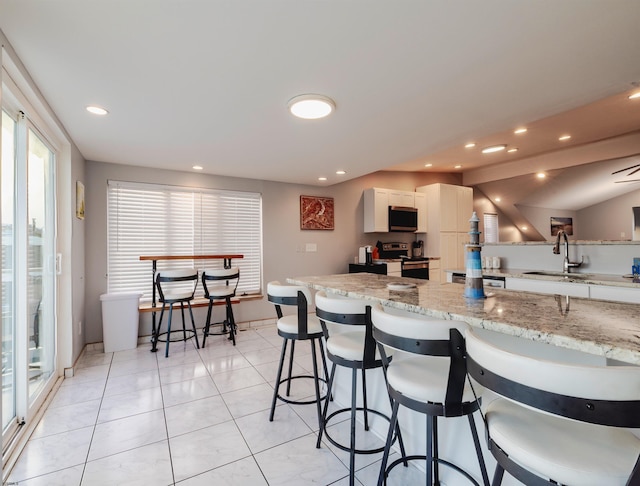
(281, 228)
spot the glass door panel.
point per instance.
(8, 275)
(40, 265)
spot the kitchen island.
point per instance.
(605, 330)
(602, 328)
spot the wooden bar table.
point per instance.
(154, 268)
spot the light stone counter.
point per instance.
(576, 277)
(608, 329)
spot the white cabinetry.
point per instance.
(401, 198)
(420, 203)
(449, 209)
(620, 294)
(376, 208)
(547, 287)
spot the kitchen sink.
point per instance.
(545, 273)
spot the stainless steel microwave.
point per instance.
(403, 218)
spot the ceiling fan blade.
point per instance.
(626, 168)
(630, 180)
(633, 172)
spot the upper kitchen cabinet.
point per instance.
(376, 208)
(449, 209)
(401, 198)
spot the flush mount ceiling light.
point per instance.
(493, 149)
(512, 150)
(564, 137)
(634, 96)
(96, 110)
(340, 172)
(457, 167)
(470, 145)
(520, 131)
(311, 106)
(322, 178)
(197, 167)
(428, 165)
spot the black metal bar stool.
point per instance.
(296, 327)
(221, 284)
(430, 380)
(355, 349)
(176, 287)
(558, 421)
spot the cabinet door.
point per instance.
(376, 210)
(401, 198)
(464, 199)
(448, 251)
(448, 207)
(420, 203)
(461, 240)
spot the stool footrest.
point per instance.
(300, 402)
(347, 448)
(190, 335)
(424, 458)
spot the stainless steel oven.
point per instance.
(416, 268)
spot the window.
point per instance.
(150, 219)
(490, 228)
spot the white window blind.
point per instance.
(490, 228)
(150, 219)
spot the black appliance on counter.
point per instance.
(414, 267)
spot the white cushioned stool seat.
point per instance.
(558, 420)
(570, 452)
(289, 324)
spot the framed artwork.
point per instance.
(79, 200)
(316, 213)
(558, 223)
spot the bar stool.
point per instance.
(430, 380)
(558, 422)
(296, 327)
(221, 284)
(176, 287)
(355, 349)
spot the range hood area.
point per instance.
(394, 211)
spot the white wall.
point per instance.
(540, 219)
(610, 219)
(281, 229)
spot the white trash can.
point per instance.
(120, 321)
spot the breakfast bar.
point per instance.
(598, 327)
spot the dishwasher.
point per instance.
(487, 280)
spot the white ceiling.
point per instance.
(207, 81)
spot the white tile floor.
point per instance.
(199, 417)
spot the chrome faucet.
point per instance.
(566, 263)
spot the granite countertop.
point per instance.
(602, 328)
(582, 278)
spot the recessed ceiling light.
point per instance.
(511, 150)
(322, 178)
(564, 137)
(97, 110)
(470, 145)
(524, 228)
(635, 96)
(197, 167)
(428, 165)
(541, 175)
(457, 167)
(311, 106)
(519, 131)
(340, 172)
(498, 199)
(493, 148)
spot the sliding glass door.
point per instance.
(28, 271)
